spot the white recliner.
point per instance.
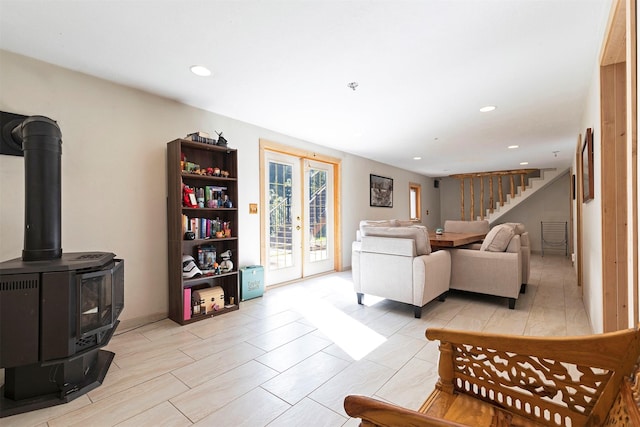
(394, 261)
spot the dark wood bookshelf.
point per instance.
(205, 155)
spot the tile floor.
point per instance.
(290, 357)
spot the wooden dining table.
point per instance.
(453, 240)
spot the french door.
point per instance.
(299, 217)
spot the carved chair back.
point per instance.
(561, 381)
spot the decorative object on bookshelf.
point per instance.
(226, 265)
(202, 186)
(189, 268)
(221, 140)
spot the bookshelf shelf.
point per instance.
(181, 219)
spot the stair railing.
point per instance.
(511, 174)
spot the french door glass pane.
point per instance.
(317, 215)
(280, 221)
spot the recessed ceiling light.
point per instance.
(200, 70)
(487, 108)
(524, 163)
(513, 146)
(417, 158)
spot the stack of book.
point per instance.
(201, 137)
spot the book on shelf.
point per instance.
(187, 304)
(206, 228)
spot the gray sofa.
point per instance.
(482, 226)
(393, 260)
(460, 226)
(494, 269)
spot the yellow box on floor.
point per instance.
(213, 298)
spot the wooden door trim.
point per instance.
(266, 145)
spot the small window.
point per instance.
(414, 202)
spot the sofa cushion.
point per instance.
(418, 233)
(377, 223)
(498, 238)
(459, 226)
(518, 227)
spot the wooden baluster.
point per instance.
(481, 197)
(492, 202)
(472, 197)
(522, 182)
(512, 186)
(500, 195)
(462, 199)
(445, 368)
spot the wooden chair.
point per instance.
(507, 380)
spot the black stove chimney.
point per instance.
(42, 146)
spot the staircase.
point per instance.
(497, 202)
(547, 176)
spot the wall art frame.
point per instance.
(587, 167)
(380, 191)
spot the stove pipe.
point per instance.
(42, 145)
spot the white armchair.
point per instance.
(396, 263)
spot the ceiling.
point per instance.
(423, 68)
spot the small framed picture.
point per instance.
(587, 167)
(380, 191)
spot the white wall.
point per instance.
(591, 213)
(114, 174)
(552, 203)
(356, 192)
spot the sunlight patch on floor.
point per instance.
(354, 338)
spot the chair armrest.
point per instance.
(376, 413)
(572, 378)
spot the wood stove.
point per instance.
(56, 310)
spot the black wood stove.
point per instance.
(56, 310)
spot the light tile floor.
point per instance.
(290, 357)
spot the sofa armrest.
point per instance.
(493, 273)
(355, 265)
(431, 276)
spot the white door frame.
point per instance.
(266, 145)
